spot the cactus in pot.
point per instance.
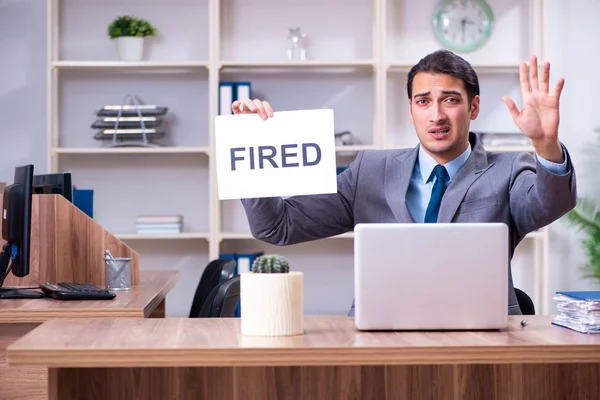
(271, 298)
(270, 264)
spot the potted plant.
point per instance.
(129, 33)
(271, 298)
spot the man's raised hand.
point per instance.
(539, 118)
(256, 106)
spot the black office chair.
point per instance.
(222, 300)
(216, 272)
(525, 303)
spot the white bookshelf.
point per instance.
(174, 236)
(132, 150)
(358, 63)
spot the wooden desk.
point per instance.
(209, 359)
(20, 316)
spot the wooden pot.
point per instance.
(271, 303)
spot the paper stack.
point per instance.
(579, 311)
(159, 224)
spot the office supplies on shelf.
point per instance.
(297, 49)
(132, 123)
(84, 200)
(578, 311)
(159, 224)
(226, 98)
(232, 91)
(75, 291)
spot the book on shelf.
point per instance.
(578, 311)
(159, 224)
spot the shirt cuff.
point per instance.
(558, 169)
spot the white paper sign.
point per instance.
(291, 153)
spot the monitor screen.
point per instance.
(57, 183)
(24, 181)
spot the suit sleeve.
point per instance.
(300, 219)
(539, 196)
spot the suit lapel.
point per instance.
(473, 168)
(398, 171)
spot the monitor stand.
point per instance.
(13, 293)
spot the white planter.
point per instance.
(271, 303)
(130, 48)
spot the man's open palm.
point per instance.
(539, 117)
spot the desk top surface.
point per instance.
(138, 302)
(328, 340)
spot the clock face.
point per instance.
(463, 25)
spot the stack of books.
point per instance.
(579, 311)
(159, 224)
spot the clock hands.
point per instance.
(463, 23)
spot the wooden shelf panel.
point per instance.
(508, 149)
(161, 236)
(132, 150)
(248, 235)
(130, 64)
(508, 68)
(355, 148)
(298, 64)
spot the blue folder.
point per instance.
(585, 295)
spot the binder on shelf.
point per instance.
(226, 97)
(230, 92)
(84, 200)
(243, 90)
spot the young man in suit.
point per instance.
(449, 176)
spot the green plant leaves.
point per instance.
(128, 25)
(586, 217)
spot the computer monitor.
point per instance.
(57, 183)
(16, 231)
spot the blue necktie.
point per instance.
(439, 187)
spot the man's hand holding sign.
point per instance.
(279, 154)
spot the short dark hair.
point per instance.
(446, 62)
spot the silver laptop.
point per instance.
(443, 276)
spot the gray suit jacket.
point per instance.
(513, 188)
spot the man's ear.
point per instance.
(475, 107)
(410, 111)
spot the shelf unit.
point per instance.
(356, 68)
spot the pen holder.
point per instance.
(271, 303)
(118, 273)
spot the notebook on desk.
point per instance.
(444, 276)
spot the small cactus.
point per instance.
(271, 263)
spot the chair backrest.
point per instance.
(216, 272)
(222, 300)
(525, 303)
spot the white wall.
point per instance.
(22, 85)
(571, 47)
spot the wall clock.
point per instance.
(463, 25)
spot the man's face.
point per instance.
(440, 112)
